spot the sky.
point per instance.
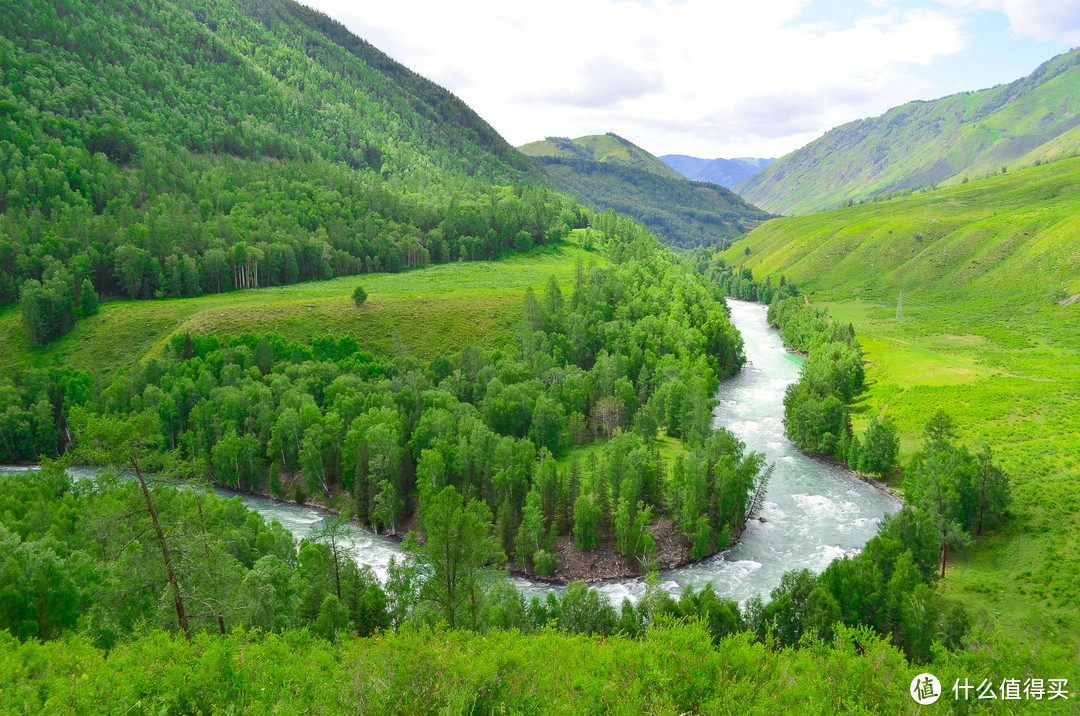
(708, 78)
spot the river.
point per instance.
(814, 512)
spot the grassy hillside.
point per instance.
(727, 173)
(990, 331)
(611, 173)
(172, 149)
(423, 312)
(600, 148)
(918, 144)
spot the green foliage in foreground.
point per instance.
(78, 575)
(675, 669)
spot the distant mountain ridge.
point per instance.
(1032, 120)
(608, 147)
(613, 173)
(726, 172)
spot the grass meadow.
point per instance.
(422, 312)
(988, 333)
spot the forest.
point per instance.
(684, 214)
(219, 226)
(637, 347)
(463, 449)
(164, 149)
(276, 625)
(156, 165)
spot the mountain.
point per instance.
(271, 79)
(725, 172)
(1006, 240)
(172, 148)
(1032, 120)
(600, 148)
(613, 173)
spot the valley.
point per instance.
(610, 172)
(319, 396)
(986, 269)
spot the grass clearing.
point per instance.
(422, 312)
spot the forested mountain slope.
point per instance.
(727, 173)
(963, 136)
(611, 173)
(988, 328)
(161, 149)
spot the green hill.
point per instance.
(967, 135)
(173, 149)
(612, 173)
(600, 148)
(989, 330)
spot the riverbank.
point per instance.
(605, 562)
(884, 488)
(602, 564)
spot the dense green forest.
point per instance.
(81, 565)
(227, 152)
(611, 173)
(471, 441)
(637, 346)
(164, 149)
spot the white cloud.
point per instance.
(1043, 20)
(704, 77)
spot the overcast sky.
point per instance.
(709, 78)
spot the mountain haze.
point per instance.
(613, 173)
(967, 135)
(725, 172)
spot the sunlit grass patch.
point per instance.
(422, 312)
